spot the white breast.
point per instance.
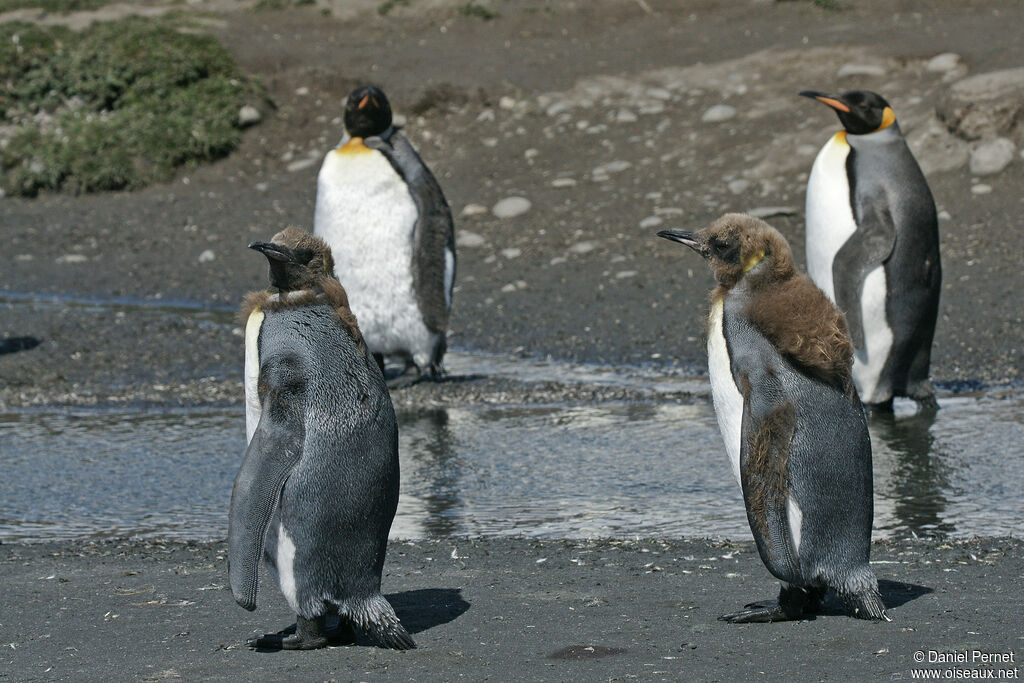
(727, 398)
(365, 212)
(869, 361)
(830, 220)
(284, 561)
(253, 409)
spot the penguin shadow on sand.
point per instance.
(894, 594)
(15, 344)
(419, 610)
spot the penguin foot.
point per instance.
(306, 634)
(793, 603)
(866, 605)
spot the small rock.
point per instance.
(24, 257)
(72, 258)
(852, 69)
(302, 91)
(507, 103)
(992, 156)
(511, 252)
(718, 113)
(399, 120)
(625, 116)
(557, 260)
(531, 153)
(763, 212)
(490, 142)
(947, 61)
(563, 182)
(262, 187)
(508, 288)
(981, 188)
(468, 240)
(651, 222)
(248, 115)
(301, 164)
(510, 207)
(944, 215)
(485, 115)
(583, 247)
(623, 274)
(984, 106)
(739, 186)
(207, 256)
(521, 284)
(659, 93)
(611, 167)
(473, 209)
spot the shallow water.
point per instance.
(611, 469)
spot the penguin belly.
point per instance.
(725, 395)
(253, 409)
(871, 360)
(365, 213)
(830, 219)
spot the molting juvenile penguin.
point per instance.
(318, 488)
(794, 429)
(390, 230)
(873, 247)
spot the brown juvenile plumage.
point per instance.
(785, 305)
(312, 279)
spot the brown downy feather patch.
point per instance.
(806, 328)
(764, 469)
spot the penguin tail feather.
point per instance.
(376, 616)
(867, 605)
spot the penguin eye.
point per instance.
(727, 251)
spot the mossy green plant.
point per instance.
(118, 106)
(54, 6)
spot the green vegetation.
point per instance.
(471, 9)
(385, 7)
(118, 106)
(54, 6)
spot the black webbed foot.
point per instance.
(792, 604)
(305, 634)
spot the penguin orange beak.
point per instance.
(833, 102)
(683, 237)
(271, 251)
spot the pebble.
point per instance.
(947, 61)
(651, 222)
(718, 113)
(563, 182)
(583, 247)
(508, 288)
(490, 142)
(469, 240)
(981, 188)
(302, 91)
(557, 260)
(207, 256)
(262, 187)
(473, 209)
(739, 186)
(485, 115)
(853, 69)
(512, 252)
(611, 167)
(510, 207)
(248, 115)
(301, 164)
(625, 116)
(507, 103)
(763, 212)
(992, 156)
(72, 258)
(623, 274)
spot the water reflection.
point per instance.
(912, 495)
(431, 467)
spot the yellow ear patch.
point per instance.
(752, 260)
(888, 118)
(353, 146)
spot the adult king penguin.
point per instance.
(318, 488)
(873, 247)
(794, 429)
(390, 230)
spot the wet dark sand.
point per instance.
(503, 609)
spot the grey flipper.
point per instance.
(769, 423)
(273, 452)
(434, 233)
(868, 248)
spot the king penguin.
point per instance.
(383, 214)
(873, 247)
(318, 487)
(794, 429)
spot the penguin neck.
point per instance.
(886, 136)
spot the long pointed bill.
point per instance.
(683, 237)
(826, 99)
(271, 251)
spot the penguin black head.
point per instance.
(860, 111)
(738, 246)
(367, 112)
(298, 260)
